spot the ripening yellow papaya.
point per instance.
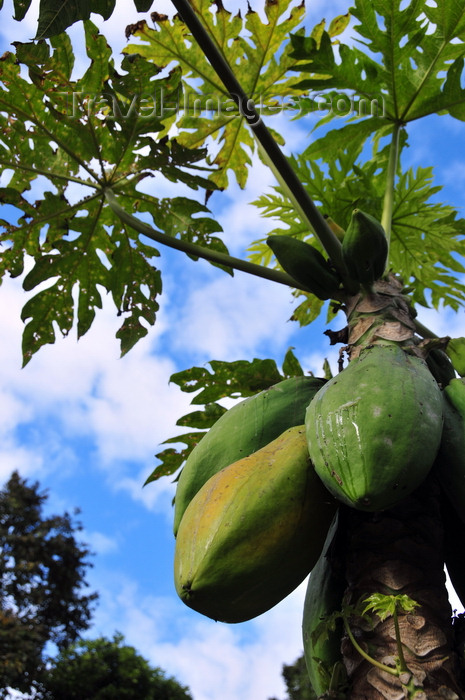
(253, 532)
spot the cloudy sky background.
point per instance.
(86, 424)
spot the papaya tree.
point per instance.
(358, 232)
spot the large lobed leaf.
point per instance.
(55, 16)
(410, 66)
(427, 237)
(259, 53)
(64, 141)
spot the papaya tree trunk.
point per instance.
(400, 551)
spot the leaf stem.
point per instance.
(46, 173)
(388, 204)
(423, 330)
(388, 669)
(400, 651)
(189, 248)
(273, 155)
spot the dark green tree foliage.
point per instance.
(104, 669)
(42, 582)
(297, 682)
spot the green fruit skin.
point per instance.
(364, 248)
(253, 532)
(440, 367)
(305, 264)
(374, 430)
(324, 595)
(245, 428)
(450, 465)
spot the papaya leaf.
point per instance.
(338, 25)
(259, 52)
(327, 373)
(385, 606)
(291, 365)
(20, 8)
(415, 64)
(69, 139)
(203, 419)
(228, 379)
(456, 351)
(171, 459)
(57, 15)
(427, 238)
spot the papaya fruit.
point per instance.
(440, 367)
(305, 264)
(253, 532)
(374, 430)
(325, 590)
(450, 465)
(364, 248)
(245, 428)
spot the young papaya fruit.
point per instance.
(440, 367)
(374, 430)
(364, 248)
(450, 465)
(305, 264)
(245, 428)
(325, 591)
(253, 532)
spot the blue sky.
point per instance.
(86, 424)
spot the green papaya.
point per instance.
(306, 265)
(325, 591)
(440, 367)
(450, 466)
(253, 532)
(364, 248)
(245, 428)
(374, 430)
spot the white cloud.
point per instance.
(99, 543)
(244, 660)
(231, 318)
(156, 496)
(126, 406)
(446, 322)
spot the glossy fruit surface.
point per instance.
(245, 428)
(305, 264)
(324, 594)
(374, 430)
(253, 532)
(364, 248)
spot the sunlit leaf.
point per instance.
(456, 352)
(259, 53)
(87, 132)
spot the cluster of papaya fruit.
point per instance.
(364, 254)
(251, 515)
(257, 501)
